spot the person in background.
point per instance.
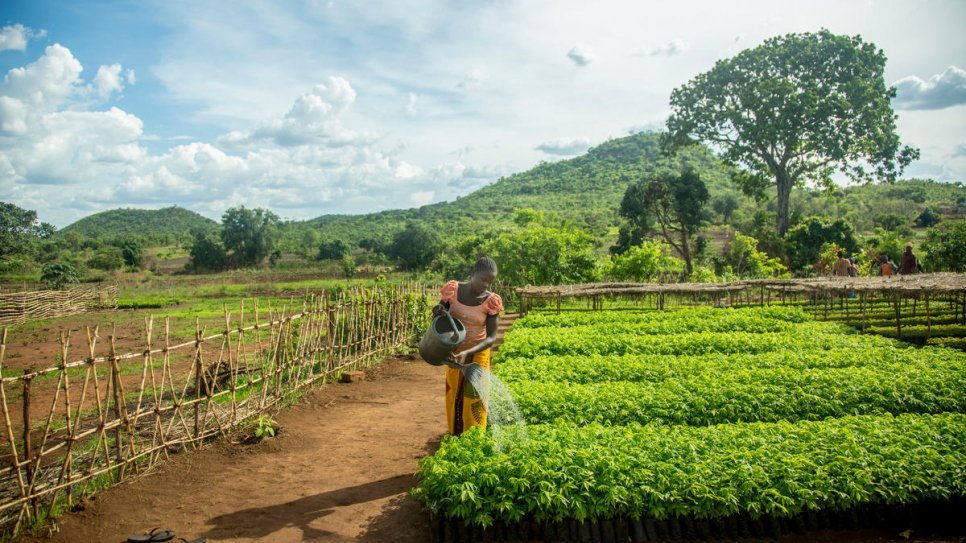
(886, 266)
(853, 267)
(842, 265)
(479, 310)
(909, 263)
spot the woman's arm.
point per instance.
(492, 323)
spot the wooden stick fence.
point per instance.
(107, 418)
(21, 307)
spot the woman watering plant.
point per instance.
(479, 310)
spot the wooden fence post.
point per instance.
(27, 445)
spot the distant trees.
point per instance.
(945, 247)
(743, 259)
(804, 242)
(207, 253)
(793, 109)
(248, 235)
(58, 275)
(536, 252)
(646, 262)
(415, 247)
(334, 249)
(19, 228)
(672, 206)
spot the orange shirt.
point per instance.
(473, 317)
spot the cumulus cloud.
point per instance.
(938, 92)
(315, 117)
(15, 37)
(564, 146)
(46, 83)
(581, 54)
(108, 80)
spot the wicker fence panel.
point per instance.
(21, 307)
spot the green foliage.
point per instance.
(58, 275)
(647, 262)
(348, 266)
(805, 241)
(672, 206)
(18, 229)
(926, 219)
(415, 247)
(334, 249)
(107, 258)
(248, 235)
(793, 109)
(207, 253)
(265, 427)
(745, 260)
(656, 472)
(132, 250)
(725, 205)
(542, 254)
(683, 430)
(157, 226)
(945, 246)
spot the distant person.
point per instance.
(887, 266)
(853, 267)
(909, 263)
(479, 310)
(842, 265)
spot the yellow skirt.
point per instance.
(464, 408)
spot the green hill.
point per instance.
(585, 190)
(158, 226)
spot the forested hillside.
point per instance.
(585, 190)
(161, 226)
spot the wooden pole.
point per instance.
(27, 445)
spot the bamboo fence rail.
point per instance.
(21, 307)
(106, 418)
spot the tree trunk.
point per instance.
(784, 183)
(686, 253)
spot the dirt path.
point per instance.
(340, 470)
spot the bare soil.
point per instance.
(339, 470)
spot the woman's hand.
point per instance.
(461, 358)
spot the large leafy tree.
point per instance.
(673, 206)
(415, 247)
(804, 242)
(795, 109)
(18, 228)
(249, 234)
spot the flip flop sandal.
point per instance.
(155, 535)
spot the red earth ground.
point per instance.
(339, 470)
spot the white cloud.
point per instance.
(107, 81)
(564, 146)
(46, 83)
(938, 92)
(15, 37)
(581, 54)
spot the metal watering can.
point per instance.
(438, 343)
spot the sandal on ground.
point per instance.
(155, 535)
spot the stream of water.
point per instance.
(503, 415)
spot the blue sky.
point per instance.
(325, 106)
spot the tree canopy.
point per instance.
(671, 205)
(794, 109)
(249, 235)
